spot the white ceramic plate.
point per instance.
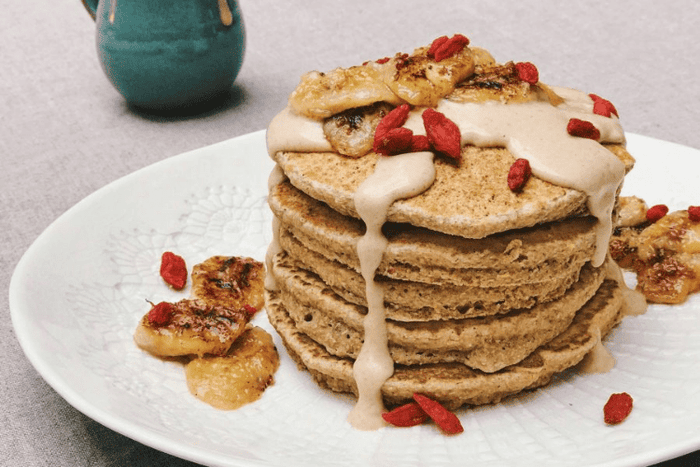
(79, 291)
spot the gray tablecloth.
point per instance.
(65, 132)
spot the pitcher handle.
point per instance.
(91, 7)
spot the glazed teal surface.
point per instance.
(163, 54)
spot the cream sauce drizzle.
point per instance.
(634, 302)
(535, 131)
(396, 177)
(291, 132)
(598, 360)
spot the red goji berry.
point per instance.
(443, 48)
(443, 134)
(436, 45)
(420, 143)
(394, 119)
(519, 174)
(382, 60)
(394, 141)
(406, 415)
(603, 106)
(582, 129)
(655, 213)
(527, 72)
(446, 420)
(250, 309)
(173, 270)
(160, 314)
(617, 408)
(694, 213)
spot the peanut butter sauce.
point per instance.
(598, 360)
(394, 178)
(536, 131)
(634, 303)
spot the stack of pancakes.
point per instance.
(487, 292)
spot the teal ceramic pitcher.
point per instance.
(163, 54)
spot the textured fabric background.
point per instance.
(65, 132)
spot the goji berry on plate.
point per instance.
(173, 270)
(410, 414)
(446, 420)
(617, 408)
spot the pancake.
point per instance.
(454, 384)
(471, 200)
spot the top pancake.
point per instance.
(471, 200)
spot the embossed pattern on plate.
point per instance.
(79, 291)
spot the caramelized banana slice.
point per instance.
(415, 79)
(238, 378)
(496, 82)
(190, 327)
(420, 81)
(668, 258)
(351, 132)
(632, 211)
(631, 220)
(482, 58)
(321, 95)
(230, 281)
